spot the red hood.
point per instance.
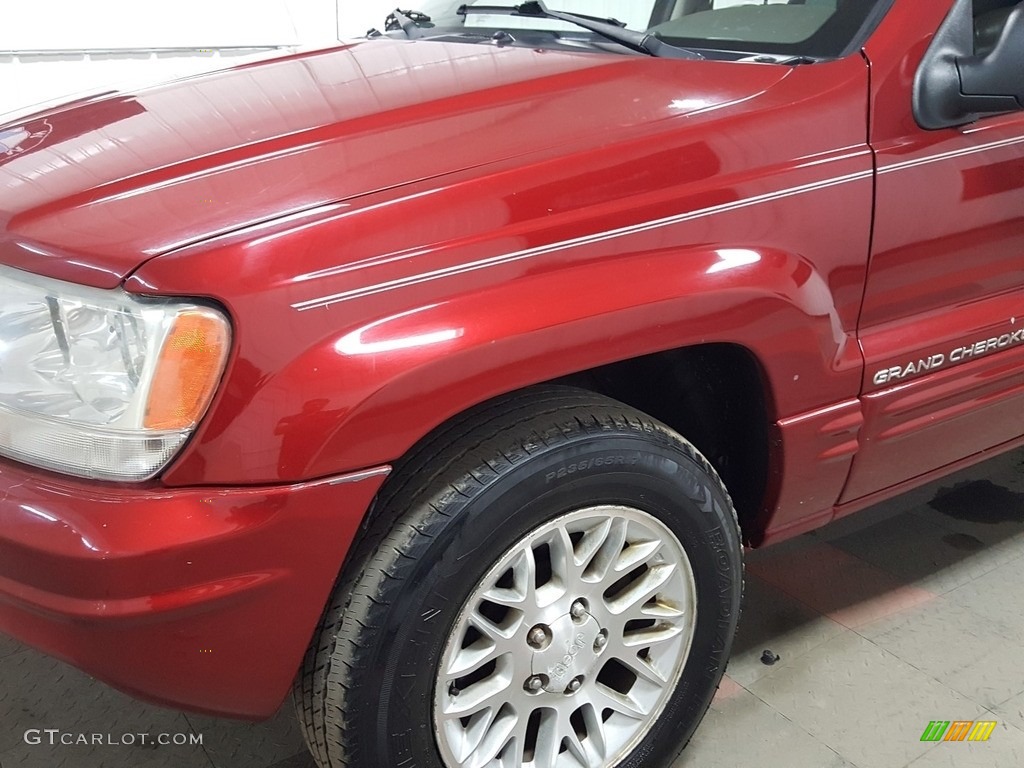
(90, 191)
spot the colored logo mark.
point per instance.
(958, 730)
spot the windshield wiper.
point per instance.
(407, 21)
(611, 29)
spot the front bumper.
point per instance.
(201, 599)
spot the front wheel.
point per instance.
(553, 581)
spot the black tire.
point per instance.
(365, 693)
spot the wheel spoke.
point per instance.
(562, 570)
(591, 542)
(470, 659)
(565, 560)
(642, 668)
(489, 692)
(501, 732)
(654, 612)
(498, 634)
(607, 553)
(637, 553)
(597, 742)
(644, 638)
(642, 589)
(514, 753)
(660, 610)
(575, 746)
(608, 698)
(468, 739)
(549, 739)
(523, 591)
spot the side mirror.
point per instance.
(995, 83)
(955, 87)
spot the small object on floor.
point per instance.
(768, 658)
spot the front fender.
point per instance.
(364, 393)
(435, 361)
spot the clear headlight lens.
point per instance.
(101, 384)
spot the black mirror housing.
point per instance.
(955, 87)
(995, 83)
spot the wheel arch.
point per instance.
(714, 395)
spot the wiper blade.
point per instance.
(463, 10)
(611, 29)
(407, 21)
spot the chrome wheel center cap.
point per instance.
(570, 654)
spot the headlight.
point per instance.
(102, 384)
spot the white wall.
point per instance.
(355, 17)
(56, 48)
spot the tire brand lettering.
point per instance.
(716, 538)
(723, 561)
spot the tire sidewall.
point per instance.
(657, 476)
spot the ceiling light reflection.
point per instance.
(357, 343)
(731, 258)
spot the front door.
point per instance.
(942, 326)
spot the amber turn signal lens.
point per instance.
(190, 366)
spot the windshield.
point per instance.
(791, 28)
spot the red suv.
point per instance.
(410, 375)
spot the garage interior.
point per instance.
(853, 639)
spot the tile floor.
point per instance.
(905, 613)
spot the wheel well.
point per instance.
(716, 397)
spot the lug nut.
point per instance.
(574, 685)
(537, 637)
(535, 683)
(600, 642)
(578, 610)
